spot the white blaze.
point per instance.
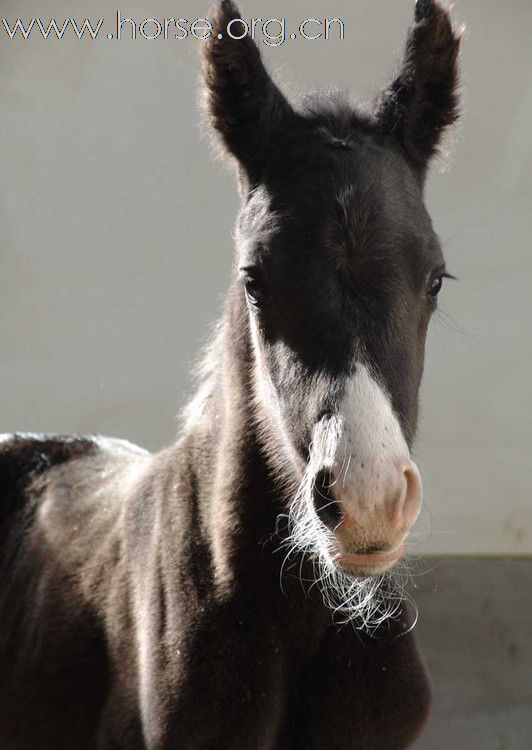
(371, 448)
(363, 446)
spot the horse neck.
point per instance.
(238, 498)
(240, 491)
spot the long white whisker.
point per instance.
(346, 470)
(366, 602)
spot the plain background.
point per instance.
(115, 239)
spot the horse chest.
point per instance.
(234, 687)
(246, 689)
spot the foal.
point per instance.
(167, 601)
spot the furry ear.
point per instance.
(244, 104)
(423, 100)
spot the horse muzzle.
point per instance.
(371, 515)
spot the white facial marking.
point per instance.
(371, 446)
(360, 600)
(363, 447)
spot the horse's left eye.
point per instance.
(435, 286)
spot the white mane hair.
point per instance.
(364, 602)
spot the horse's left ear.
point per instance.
(245, 106)
(423, 100)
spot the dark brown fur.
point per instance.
(141, 603)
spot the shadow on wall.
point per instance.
(475, 620)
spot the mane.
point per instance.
(204, 373)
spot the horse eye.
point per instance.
(435, 286)
(253, 284)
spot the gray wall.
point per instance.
(115, 240)
(476, 642)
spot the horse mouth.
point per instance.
(369, 563)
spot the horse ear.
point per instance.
(244, 104)
(423, 100)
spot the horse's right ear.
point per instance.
(245, 106)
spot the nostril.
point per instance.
(327, 508)
(411, 505)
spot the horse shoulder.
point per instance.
(60, 507)
(59, 526)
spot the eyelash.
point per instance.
(253, 284)
(436, 283)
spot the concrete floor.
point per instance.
(475, 630)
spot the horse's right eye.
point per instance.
(253, 284)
